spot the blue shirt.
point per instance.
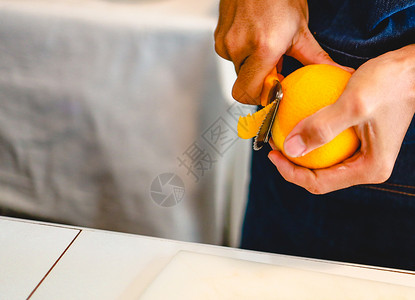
(355, 31)
(367, 224)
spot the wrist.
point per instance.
(412, 74)
(411, 65)
(406, 59)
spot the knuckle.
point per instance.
(219, 49)
(263, 45)
(230, 43)
(314, 190)
(359, 107)
(241, 95)
(289, 175)
(314, 186)
(311, 184)
(233, 44)
(216, 33)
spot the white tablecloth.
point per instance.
(100, 98)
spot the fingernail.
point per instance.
(295, 146)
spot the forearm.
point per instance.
(411, 55)
(405, 59)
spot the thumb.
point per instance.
(318, 129)
(308, 51)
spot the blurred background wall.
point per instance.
(117, 115)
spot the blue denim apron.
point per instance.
(367, 224)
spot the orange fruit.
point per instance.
(306, 91)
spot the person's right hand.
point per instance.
(378, 102)
(255, 34)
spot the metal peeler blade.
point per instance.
(264, 132)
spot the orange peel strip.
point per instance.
(249, 125)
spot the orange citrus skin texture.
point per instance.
(306, 91)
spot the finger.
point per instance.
(272, 144)
(225, 20)
(268, 85)
(351, 172)
(279, 65)
(237, 48)
(308, 51)
(320, 128)
(257, 66)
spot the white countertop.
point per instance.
(50, 261)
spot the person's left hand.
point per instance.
(379, 102)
